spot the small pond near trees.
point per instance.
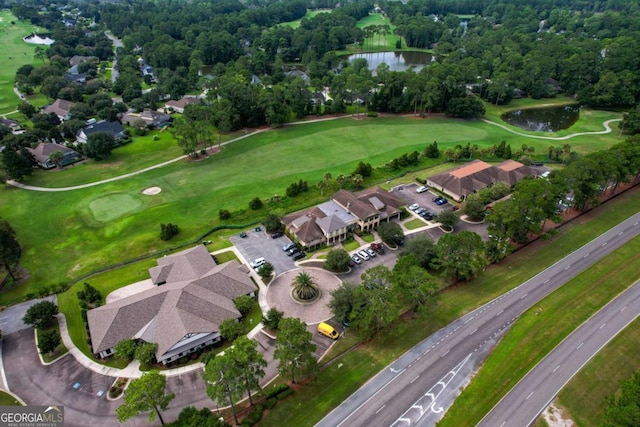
(545, 119)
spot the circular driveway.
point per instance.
(279, 295)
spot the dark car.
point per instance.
(436, 198)
(298, 255)
(288, 246)
(243, 234)
(442, 201)
(277, 234)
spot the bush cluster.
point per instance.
(297, 188)
(168, 231)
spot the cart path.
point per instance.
(127, 175)
(607, 129)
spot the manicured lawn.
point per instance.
(350, 245)
(336, 384)
(584, 396)
(310, 14)
(540, 329)
(14, 54)
(8, 400)
(414, 223)
(80, 231)
(226, 256)
(382, 41)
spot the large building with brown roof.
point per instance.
(463, 180)
(331, 222)
(182, 314)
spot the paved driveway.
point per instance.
(408, 194)
(11, 317)
(259, 244)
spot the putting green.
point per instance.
(113, 206)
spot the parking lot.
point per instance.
(408, 194)
(259, 244)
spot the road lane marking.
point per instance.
(586, 255)
(530, 394)
(621, 233)
(502, 311)
(381, 408)
(602, 326)
(623, 309)
(604, 244)
(445, 353)
(556, 368)
(417, 376)
(523, 296)
(567, 267)
(474, 331)
(546, 281)
(581, 344)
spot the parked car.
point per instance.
(419, 211)
(277, 234)
(442, 201)
(356, 259)
(257, 263)
(421, 189)
(371, 252)
(298, 255)
(436, 199)
(258, 229)
(365, 256)
(288, 246)
(378, 248)
(414, 206)
(243, 234)
(293, 250)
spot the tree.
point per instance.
(17, 162)
(145, 394)
(305, 287)
(145, 352)
(272, 318)
(294, 349)
(224, 379)
(265, 271)
(99, 145)
(461, 255)
(230, 329)
(474, 206)
(27, 109)
(251, 362)
(9, 247)
(56, 157)
(186, 135)
(272, 223)
(337, 260)
(623, 411)
(413, 284)
(448, 219)
(89, 294)
(41, 315)
(391, 233)
(125, 349)
(49, 341)
(422, 247)
(244, 304)
(255, 203)
(203, 417)
(466, 108)
(341, 302)
(224, 214)
(375, 304)
(168, 231)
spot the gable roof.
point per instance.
(165, 314)
(511, 172)
(114, 128)
(189, 264)
(44, 149)
(60, 107)
(182, 102)
(352, 204)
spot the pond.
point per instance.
(547, 119)
(397, 61)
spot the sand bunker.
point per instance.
(36, 39)
(152, 190)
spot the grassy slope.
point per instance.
(310, 14)
(74, 241)
(14, 54)
(540, 329)
(379, 42)
(336, 384)
(584, 396)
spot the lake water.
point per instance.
(547, 119)
(397, 61)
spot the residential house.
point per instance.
(14, 125)
(42, 152)
(182, 314)
(331, 222)
(113, 128)
(153, 119)
(463, 180)
(297, 73)
(60, 108)
(76, 60)
(178, 105)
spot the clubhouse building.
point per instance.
(181, 314)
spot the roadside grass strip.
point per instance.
(345, 375)
(541, 329)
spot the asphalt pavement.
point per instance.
(524, 403)
(385, 399)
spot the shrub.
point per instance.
(48, 341)
(255, 203)
(254, 416)
(272, 319)
(168, 231)
(285, 394)
(337, 260)
(41, 315)
(270, 403)
(276, 390)
(244, 303)
(224, 214)
(372, 114)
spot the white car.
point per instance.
(421, 189)
(414, 206)
(365, 256)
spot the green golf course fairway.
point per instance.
(67, 234)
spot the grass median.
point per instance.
(335, 383)
(538, 331)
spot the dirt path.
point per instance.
(117, 178)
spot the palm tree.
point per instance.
(305, 287)
(322, 185)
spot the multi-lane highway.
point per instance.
(409, 390)
(524, 403)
